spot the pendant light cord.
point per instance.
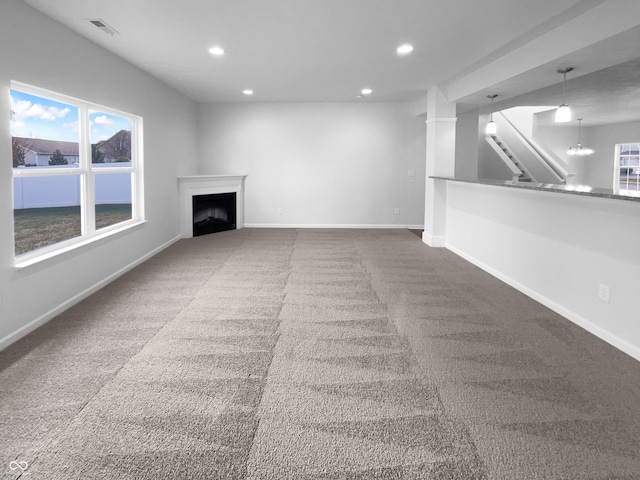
(492, 97)
(579, 125)
(564, 72)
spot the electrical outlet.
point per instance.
(604, 292)
(280, 211)
(166, 224)
(411, 173)
(397, 211)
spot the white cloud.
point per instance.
(104, 120)
(26, 109)
(38, 111)
(20, 108)
(74, 126)
(15, 127)
(56, 112)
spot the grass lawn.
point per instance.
(39, 227)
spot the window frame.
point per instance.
(617, 189)
(87, 172)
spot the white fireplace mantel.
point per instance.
(194, 185)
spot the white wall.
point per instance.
(557, 248)
(467, 141)
(595, 170)
(38, 51)
(557, 139)
(603, 139)
(322, 164)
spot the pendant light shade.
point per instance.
(491, 128)
(563, 113)
(579, 149)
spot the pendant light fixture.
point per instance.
(491, 128)
(578, 149)
(563, 113)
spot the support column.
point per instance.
(440, 161)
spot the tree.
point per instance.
(58, 158)
(96, 155)
(18, 152)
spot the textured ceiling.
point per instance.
(610, 95)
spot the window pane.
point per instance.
(113, 198)
(46, 210)
(110, 138)
(51, 198)
(630, 185)
(111, 146)
(628, 160)
(44, 132)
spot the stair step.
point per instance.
(524, 175)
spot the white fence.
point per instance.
(64, 190)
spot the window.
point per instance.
(77, 171)
(627, 169)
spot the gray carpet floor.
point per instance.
(315, 354)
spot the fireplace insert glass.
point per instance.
(214, 213)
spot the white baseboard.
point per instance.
(433, 240)
(331, 225)
(42, 319)
(598, 331)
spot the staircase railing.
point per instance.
(553, 166)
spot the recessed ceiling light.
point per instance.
(248, 91)
(366, 91)
(404, 49)
(217, 51)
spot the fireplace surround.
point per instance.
(205, 185)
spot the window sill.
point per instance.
(34, 258)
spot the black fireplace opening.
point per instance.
(214, 213)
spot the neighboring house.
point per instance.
(118, 146)
(38, 152)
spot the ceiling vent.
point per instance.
(104, 27)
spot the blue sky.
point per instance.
(38, 117)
